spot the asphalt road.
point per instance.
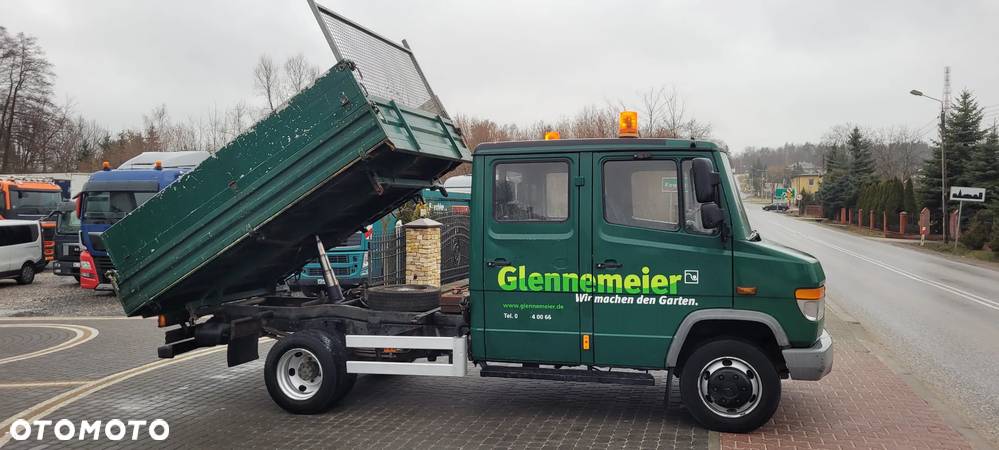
(938, 317)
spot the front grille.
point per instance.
(103, 264)
(318, 271)
(338, 259)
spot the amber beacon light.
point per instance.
(628, 125)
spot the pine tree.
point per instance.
(964, 136)
(835, 189)
(861, 158)
(909, 199)
(983, 167)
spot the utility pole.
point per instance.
(944, 104)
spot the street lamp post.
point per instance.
(943, 161)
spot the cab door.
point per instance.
(531, 221)
(652, 262)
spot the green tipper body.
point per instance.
(331, 161)
(597, 280)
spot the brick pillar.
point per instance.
(842, 215)
(871, 221)
(849, 216)
(903, 220)
(860, 217)
(884, 223)
(423, 252)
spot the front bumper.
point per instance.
(66, 268)
(309, 282)
(811, 363)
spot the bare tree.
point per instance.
(267, 81)
(237, 120)
(666, 116)
(25, 87)
(298, 74)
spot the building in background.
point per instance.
(805, 178)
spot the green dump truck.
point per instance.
(592, 260)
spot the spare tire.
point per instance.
(403, 297)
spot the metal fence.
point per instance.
(387, 259)
(454, 247)
(387, 253)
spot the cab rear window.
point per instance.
(531, 191)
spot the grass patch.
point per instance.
(961, 250)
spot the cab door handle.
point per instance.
(609, 264)
(498, 262)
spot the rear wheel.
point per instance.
(27, 274)
(306, 373)
(730, 385)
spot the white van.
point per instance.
(20, 250)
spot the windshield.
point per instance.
(113, 205)
(738, 196)
(42, 200)
(353, 241)
(67, 222)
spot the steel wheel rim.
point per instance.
(299, 374)
(708, 388)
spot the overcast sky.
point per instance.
(762, 73)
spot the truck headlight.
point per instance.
(811, 302)
(364, 262)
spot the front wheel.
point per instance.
(730, 385)
(306, 372)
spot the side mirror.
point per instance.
(711, 216)
(705, 180)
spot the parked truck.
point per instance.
(32, 198)
(592, 260)
(66, 237)
(349, 261)
(111, 194)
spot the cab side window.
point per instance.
(641, 194)
(531, 191)
(691, 207)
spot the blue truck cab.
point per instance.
(349, 262)
(109, 195)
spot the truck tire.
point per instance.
(730, 385)
(306, 373)
(403, 297)
(27, 274)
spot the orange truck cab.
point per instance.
(31, 199)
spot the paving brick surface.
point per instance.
(861, 404)
(19, 341)
(119, 345)
(15, 400)
(210, 405)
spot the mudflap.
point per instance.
(244, 335)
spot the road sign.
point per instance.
(669, 184)
(967, 194)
